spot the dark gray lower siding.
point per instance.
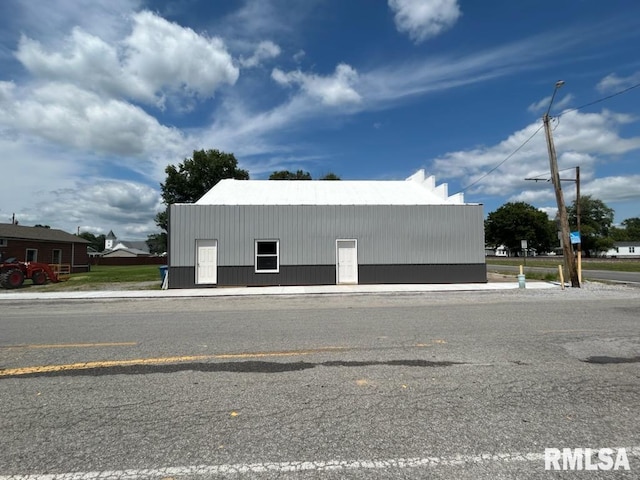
(184, 277)
(467, 273)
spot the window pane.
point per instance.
(267, 263)
(267, 248)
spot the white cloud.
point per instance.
(163, 54)
(299, 55)
(108, 19)
(613, 83)
(156, 59)
(584, 139)
(423, 19)
(68, 115)
(613, 189)
(335, 90)
(107, 203)
(264, 51)
(543, 104)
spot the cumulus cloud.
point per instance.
(164, 54)
(613, 189)
(106, 203)
(157, 58)
(68, 115)
(424, 19)
(585, 139)
(612, 83)
(265, 51)
(334, 90)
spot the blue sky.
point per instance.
(97, 97)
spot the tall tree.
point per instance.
(96, 242)
(595, 224)
(300, 175)
(287, 175)
(517, 221)
(632, 227)
(196, 176)
(157, 243)
(330, 176)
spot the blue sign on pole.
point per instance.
(575, 237)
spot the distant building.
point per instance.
(501, 251)
(624, 250)
(124, 248)
(44, 245)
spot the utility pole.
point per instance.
(567, 250)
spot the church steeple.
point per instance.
(109, 240)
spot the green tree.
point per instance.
(517, 221)
(287, 175)
(632, 227)
(595, 224)
(300, 175)
(95, 242)
(330, 176)
(195, 176)
(618, 234)
(157, 243)
(190, 180)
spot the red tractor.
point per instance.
(13, 273)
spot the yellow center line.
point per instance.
(69, 345)
(13, 372)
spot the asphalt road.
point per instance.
(444, 386)
(606, 275)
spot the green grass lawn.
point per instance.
(618, 265)
(106, 277)
(131, 273)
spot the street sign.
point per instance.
(523, 244)
(575, 237)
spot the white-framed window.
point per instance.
(267, 256)
(632, 249)
(56, 256)
(3, 242)
(31, 255)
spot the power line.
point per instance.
(599, 100)
(540, 128)
(503, 161)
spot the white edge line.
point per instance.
(289, 467)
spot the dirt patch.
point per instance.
(494, 277)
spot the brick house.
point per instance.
(45, 245)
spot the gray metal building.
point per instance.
(323, 232)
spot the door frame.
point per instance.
(355, 243)
(205, 242)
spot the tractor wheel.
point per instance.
(39, 278)
(12, 279)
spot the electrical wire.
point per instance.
(503, 161)
(599, 100)
(557, 117)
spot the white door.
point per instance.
(206, 261)
(347, 261)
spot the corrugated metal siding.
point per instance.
(386, 234)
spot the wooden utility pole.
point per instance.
(565, 238)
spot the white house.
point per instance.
(624, 250)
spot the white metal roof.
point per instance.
(415, 190)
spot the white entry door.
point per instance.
(346, 261)
(206, 261)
